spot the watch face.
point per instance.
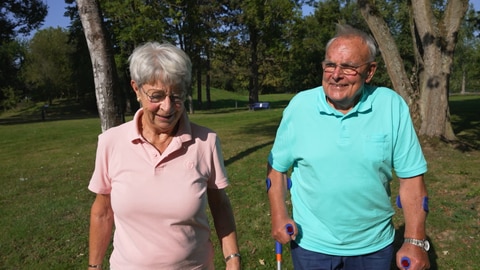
(426, 245)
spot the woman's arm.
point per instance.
(225, 226)
(101, 224)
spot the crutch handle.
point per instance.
(405, 262)
(278, 246)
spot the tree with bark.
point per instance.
(103, 63)
(434, 33)
(129, 24)
(265, 23)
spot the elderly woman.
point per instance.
(155, 175)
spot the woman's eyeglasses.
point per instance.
(157, 96)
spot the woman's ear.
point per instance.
(135, 89)
(134, 85)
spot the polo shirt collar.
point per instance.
(184, 132)
(363, 105)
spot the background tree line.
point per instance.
(250, 46)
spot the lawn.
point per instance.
(45, 168)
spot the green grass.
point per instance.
(45, 168)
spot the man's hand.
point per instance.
(418, 257)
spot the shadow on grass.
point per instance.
(397, 244)
(265, 128)
(246, 152)
(465, 116)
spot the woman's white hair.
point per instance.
(154, 62)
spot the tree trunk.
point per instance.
(391, 56)
(199, 88)
(103, 63)
(437, 40)
(434, 46)
(207, 79)
(253, 83)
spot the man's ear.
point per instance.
(371, 71)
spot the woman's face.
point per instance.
(162, 106)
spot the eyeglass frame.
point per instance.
(343, 68)
(177, 99)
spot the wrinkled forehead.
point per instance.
(348, 49)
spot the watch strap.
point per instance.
(418, 242)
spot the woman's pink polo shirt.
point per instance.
(159, 200)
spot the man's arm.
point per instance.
(412, 195)
(278, 209)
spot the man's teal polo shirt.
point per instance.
(342, 167)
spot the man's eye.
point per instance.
(347, 67)
(330, 65)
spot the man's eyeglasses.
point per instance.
(329, 67)
(157, 96)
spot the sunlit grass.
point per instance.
(45, 168)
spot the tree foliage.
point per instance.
(465, 70)
(264, 29)
(259, 47)
(48, 70)
(17, 17)
(189, 24)
(20, 17)
(12, 56)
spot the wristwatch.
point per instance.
(419, 243)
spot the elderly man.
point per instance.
(343, 141)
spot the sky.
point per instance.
(55, 18)
(56, 9)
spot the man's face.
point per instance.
(346, 69)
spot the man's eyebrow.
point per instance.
(345, 65)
